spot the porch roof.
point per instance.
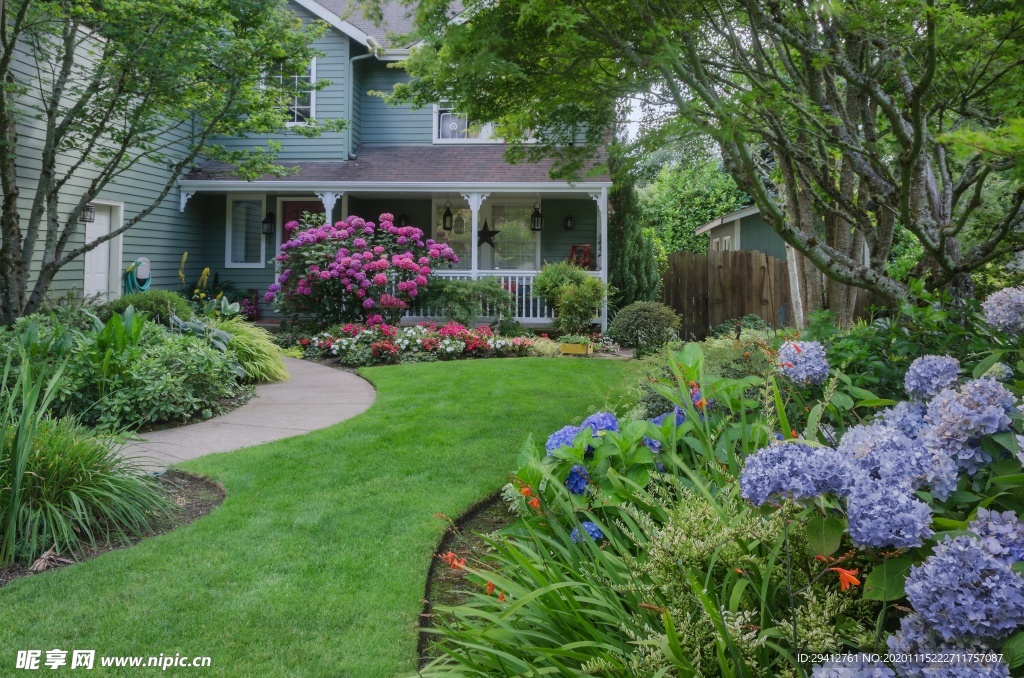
(427, 164)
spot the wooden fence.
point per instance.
(706, 290)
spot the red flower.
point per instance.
(489, 589)
(847, 578)
(525, 491)
(501, 596)
(453, 560)
(535, 503)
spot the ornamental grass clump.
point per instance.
(341, 272)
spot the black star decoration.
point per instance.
(487, 236)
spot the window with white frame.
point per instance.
(245, 243)
(516, 246)
(450, 126)
(301, 103)
(727, 243)
(716, 244)
(460, 238)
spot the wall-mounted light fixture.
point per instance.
(88, 214)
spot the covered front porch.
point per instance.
(490, 227)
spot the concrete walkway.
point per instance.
(314, 397)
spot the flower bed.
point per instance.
(381, 344)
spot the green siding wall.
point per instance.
(756, 234)
(331, 103)
(555, 241)
(385, 125)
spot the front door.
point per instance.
(97, 260)
(292, 210)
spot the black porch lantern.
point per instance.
(88, 214)
(403, 220)
(460, 225)
(569, 223)
(269, 224)
(536, 219)
(447, 220)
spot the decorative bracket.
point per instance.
(475, 200)
(329, 200)
(602, 204)
(183, 197)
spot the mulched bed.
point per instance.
(192, 495)
(447, 586)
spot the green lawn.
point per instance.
(316, 562)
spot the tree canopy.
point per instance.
(109, 84)
(858, 114)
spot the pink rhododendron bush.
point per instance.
(355, 270)
(357, 344)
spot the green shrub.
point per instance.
(554, 278)
(464, 300)
(750, 321)
(645, 326)
(158, 305)
(578, 304)
(79, 489)
(255, 350)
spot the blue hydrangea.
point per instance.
(563, 437)
(914, 639)
(908, 418)
(999, 372)
(1004, 310)
(930, 374)
(601, 421)
(679, 414)
(853, 666)
(882, 451)
(1001, 534)
(795, 471)
(963, 592)
(590, 529)
(577, 479)
(959, 417)
(884, 514)
(803, 362)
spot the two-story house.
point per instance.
(429, 167)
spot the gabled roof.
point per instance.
(726, 218)
(348, 17)
(427, 164)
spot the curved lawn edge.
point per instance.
(316, 562)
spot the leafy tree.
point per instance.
(634, 273)
(114, 83)
(835, 113)
(682, 199)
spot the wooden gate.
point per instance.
(706, 290)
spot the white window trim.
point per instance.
(231, 197)
(716, 244)
(494, 139)
(312, 96)
(727, 243)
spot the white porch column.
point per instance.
(329, 200)
(602, 246)
(474, 200)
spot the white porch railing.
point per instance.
(528, 307)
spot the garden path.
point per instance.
(314, 397)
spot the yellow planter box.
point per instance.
(577, 349)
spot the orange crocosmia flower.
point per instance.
(535, 503)
(792, 432)
(847, 578)
(525, 491)
(501, 596)
(489, 588)
(797, 347)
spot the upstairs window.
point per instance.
(452, 127)
(302, 105)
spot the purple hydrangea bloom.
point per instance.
(563, 437)
(856, 666)
(795, 471)
(680, 417)
(914, 638)
(882, 451)
(601, 421)
(959, 417)
(930, 374)
(885, 514)
(963, 592)
(803, 362)
(577, 479)
(1001, 534)
(1004, 310)
(590, 530)
(908, 418)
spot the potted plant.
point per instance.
(576, 344)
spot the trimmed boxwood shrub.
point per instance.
(751, 321)
(645, 326)
(158, 305)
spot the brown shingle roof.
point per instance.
(483, 163)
